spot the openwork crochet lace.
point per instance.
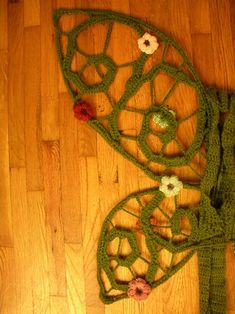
(155, 216)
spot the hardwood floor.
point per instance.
(59, 179)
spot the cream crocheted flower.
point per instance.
(170, 186)
(158, 119)
(148, 43)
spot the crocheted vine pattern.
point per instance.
(156, 216)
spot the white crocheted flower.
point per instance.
(148, 43)
(170, 186)
(158, 119)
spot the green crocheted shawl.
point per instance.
(155, 216)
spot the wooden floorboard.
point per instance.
(59, 179)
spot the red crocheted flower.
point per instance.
(138, 289)
(83, 111)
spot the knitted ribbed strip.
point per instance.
(212, 279)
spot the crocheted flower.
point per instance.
(138, 289)
(158, 119)
(148, 43)
(83, 111)
(170, 186)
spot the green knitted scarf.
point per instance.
(151, 223)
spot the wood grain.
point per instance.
(59, 179)
(69, 143)
(7, 281)
(49, 80)
(75, 278)
(16, 84)
(22, 251)
(91, 217)
(5, 201)
(199, 16)
(54, 223)
(31, 13)
(3, 25)
(32, 113)
(39, 256)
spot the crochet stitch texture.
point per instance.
(212, 221)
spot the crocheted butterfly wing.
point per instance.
(140, 239)
(144, 102)
(150, 236)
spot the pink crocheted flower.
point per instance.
(83, 111)
(138, 289)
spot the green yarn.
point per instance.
(212, 222)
